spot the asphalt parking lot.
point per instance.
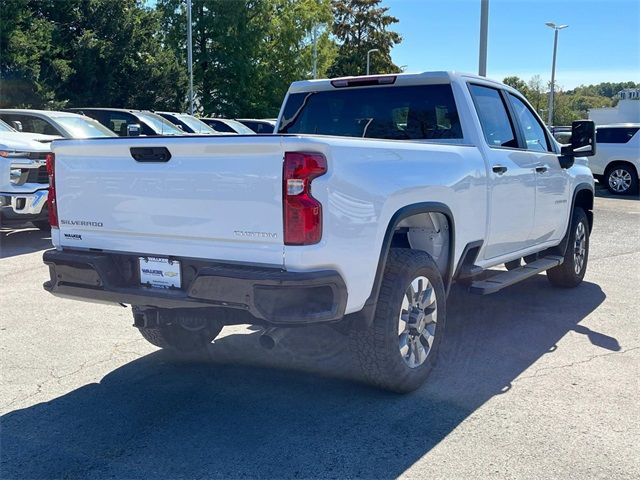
(533, 382)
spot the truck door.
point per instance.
(552, 181)
(512, 182)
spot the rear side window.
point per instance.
(615, 135)
(496, 125)
(424, 112)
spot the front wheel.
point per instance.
(399, 350)
(571, 272)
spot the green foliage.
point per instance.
(361, 25)
(58, 53)
(132, 53)
(569, 105)
(247, 52)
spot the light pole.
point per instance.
(314, 32)
(369, 57)
(190, 57)
(484, 28)
(556, 29)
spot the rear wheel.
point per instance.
(621, 179)
(185, 332)
(399, 350)
(571, 272)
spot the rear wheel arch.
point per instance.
(405, 216)
(611, 165)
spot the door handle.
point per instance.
(541, 169)
(499, 169)
(150, 154)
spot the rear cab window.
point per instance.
(420, 112)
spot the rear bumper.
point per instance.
(270, 294)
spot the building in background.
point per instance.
(626, 111)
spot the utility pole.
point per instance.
(484, 31)
(556, 29)
(190, 56)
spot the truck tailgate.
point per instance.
(216, 197)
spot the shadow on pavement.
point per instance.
(19, 241)
(159, 418)
(603, 192)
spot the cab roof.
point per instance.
(436, 77)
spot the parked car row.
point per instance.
(616, 163)
(110, 122)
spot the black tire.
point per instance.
(616, 169)
(565, 275)
(42, 225)
(376, 348)
(177, 338)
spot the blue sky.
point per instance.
(601, 44)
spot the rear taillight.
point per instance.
(51, 199)
(302, 213)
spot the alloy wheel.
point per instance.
(580, 248)
(620, 180)
(417, 322)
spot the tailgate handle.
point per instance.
(150, 154)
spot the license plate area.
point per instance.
(160, 272)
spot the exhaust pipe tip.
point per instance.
(271, 337)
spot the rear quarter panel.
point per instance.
(367, 182)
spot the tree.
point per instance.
(537, 94)
(58, 53)
(247, 52)
(518, 84)
(361, 25)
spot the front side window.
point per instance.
(84, 127)
(424, 112)
(533, 132)
(615, 135)
(492, 112)
(118, 121)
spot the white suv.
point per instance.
(617, 159)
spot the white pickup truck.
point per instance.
(24, 181)
(375, 194)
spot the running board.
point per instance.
(505, 279)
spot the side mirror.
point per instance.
(17, 125)
(583, 139)
(583, 143)
(133, 130)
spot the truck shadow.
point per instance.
(23, 240)
(159, 418)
